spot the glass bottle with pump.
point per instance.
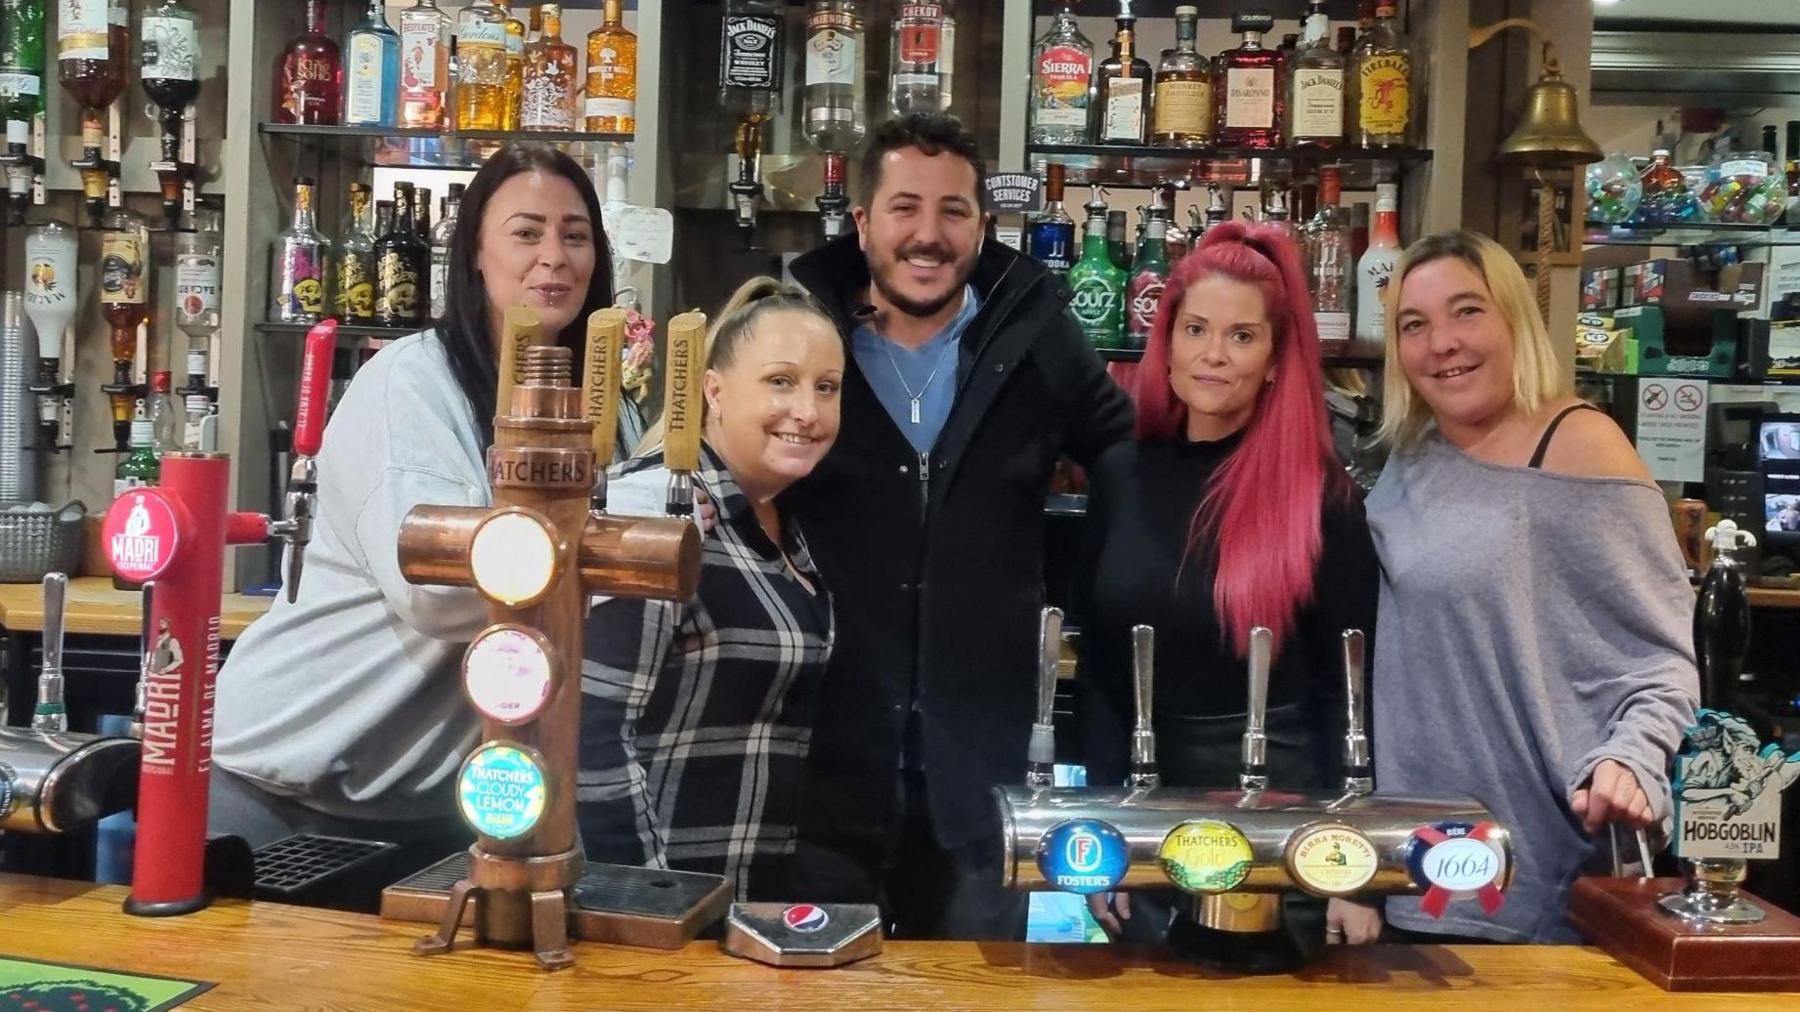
(21, 70)
(124, 296)
(1122, 87)
(750, 75)
(1183, 106)
(197, 279)
(93, 40)
(612, 75)
(922, 58)
(1097, 280)
(835, 91)
(833, 202)
(169, 34)
(1051, 235)
(1062, 69)
(372, 81)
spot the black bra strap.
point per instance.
(1537, 457)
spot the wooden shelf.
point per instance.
(450, 151)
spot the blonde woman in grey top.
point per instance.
(1532, 644)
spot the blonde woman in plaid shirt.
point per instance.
(696, 716)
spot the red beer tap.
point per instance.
(176, 534)
(309, 435)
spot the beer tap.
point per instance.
(1144, 775)
(682, 410)
(1358, 780)
(1253, 772)
(51, 715)
(309, 433)
(1040, 751)
(600, 393)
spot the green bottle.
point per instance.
(21, 69)
(1098, 284)
(1149, 273)
(141, 466)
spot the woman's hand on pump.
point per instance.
(1348, 922)
(1110, 910)
(1611, 794)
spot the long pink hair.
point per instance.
(1262, 508)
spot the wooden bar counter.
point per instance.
(267, 955)
(94, 607)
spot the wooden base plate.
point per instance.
(1620, 915)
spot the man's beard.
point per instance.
(914, 307)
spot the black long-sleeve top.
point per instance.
(1142, 497)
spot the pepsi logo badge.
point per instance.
(1331, 859)
(805, 918)
(1458, 861)
(1083, 856)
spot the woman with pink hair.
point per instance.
(1229, 511)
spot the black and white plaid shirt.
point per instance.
(696, 716)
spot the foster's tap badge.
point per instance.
(1083, 856)
(1206, 856)
(1457, 861)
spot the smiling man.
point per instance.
(966, 380)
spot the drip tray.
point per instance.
(616, 903)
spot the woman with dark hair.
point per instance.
(1229, 511)
(342, 712)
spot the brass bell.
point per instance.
(1550, 132)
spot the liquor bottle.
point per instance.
(169, 34)
(198, 253)
(1123, 87)
(141, 466)
(193, 423)
(750, 44)
(384, 218)
(481, 69)
(612, 75)
(1183, 104)
(92, 42)
(1062, 67)
(51, 299)
(441, 235)
(124, 295)
(833, 201)
(299, 263)
(1097, 279)
(421, 205)
(548, 101)
(424, 67)
(309, 75)
(1381, 82)
(835, 91)
(166, 415)
(923, 58)
(1377, 265)
(372, 83)
(1117, 249)
(1149, 273)
(354, 296)
(1051, 237)
(1316, 86)
(515, 68)
(402, 267)
(21, 70)
(1251, 106)
(1328, 261)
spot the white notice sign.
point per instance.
(1671, 428)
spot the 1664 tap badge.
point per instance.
(1458, 861)
(141, 535)
(1728, 790)
(501, 790)
(1083, 856)
(805, 918)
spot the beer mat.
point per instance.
(31, 985)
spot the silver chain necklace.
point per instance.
(888, 347)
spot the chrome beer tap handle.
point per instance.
(1358, 776)
(50, 714)
(1040, 752)
(1253, 772)
(1144, 775)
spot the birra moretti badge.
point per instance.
(1728, 791)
